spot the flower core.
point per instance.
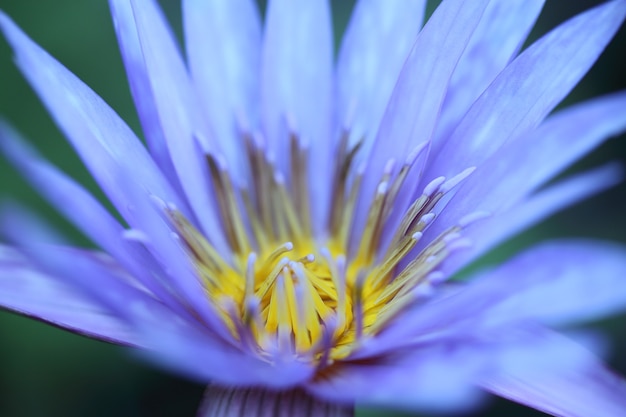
(284, 288)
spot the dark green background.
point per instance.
(49, 372)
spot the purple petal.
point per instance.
(115, 157)
(579, 386)
(107, 146)
(562, 282)
(28, 291)
(135, 65)
(85, 212)
(66, 195)
(414, 106)
(183, 343)
(377, 41)
(532, 159)
(488, 233)
(296, 89)
(499, 36)
(195, 343)
(437, 378)
(529, 88)
(199, 356)
(177, 108)
(223, 42)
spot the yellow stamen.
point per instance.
(317, 297)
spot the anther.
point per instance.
(472, 218)
(459, 244)
(279, 251)
(412, 157)
(436, 277)
(426, 220)
(456, 180)
(433, 186)
(136, 235)
(308, 259)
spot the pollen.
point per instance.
(281, 287)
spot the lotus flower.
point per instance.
(292, 233)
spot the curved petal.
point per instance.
(223, 42)
(497, 39)
(580, 387)
(187, 137)
(377, 41)
(415, 102)
(26, 290)
(529, 88)
(296, 88)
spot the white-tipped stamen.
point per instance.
(474, 217)
(456, 180)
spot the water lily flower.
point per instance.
(292, 230)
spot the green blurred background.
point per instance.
(48, 372)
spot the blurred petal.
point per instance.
(204, 358)
(562, 282)
(223, 42)
(261, 402)
(529, 88)
(161, 331)
(377, 41)
(185, 342)
(570, 382)
(437, 378)
(296, 89)
(28, 291)
(196, 344)
(499, 36)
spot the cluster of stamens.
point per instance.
(281, 288)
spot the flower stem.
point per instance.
(222, 401)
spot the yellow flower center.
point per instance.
(284, 290)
